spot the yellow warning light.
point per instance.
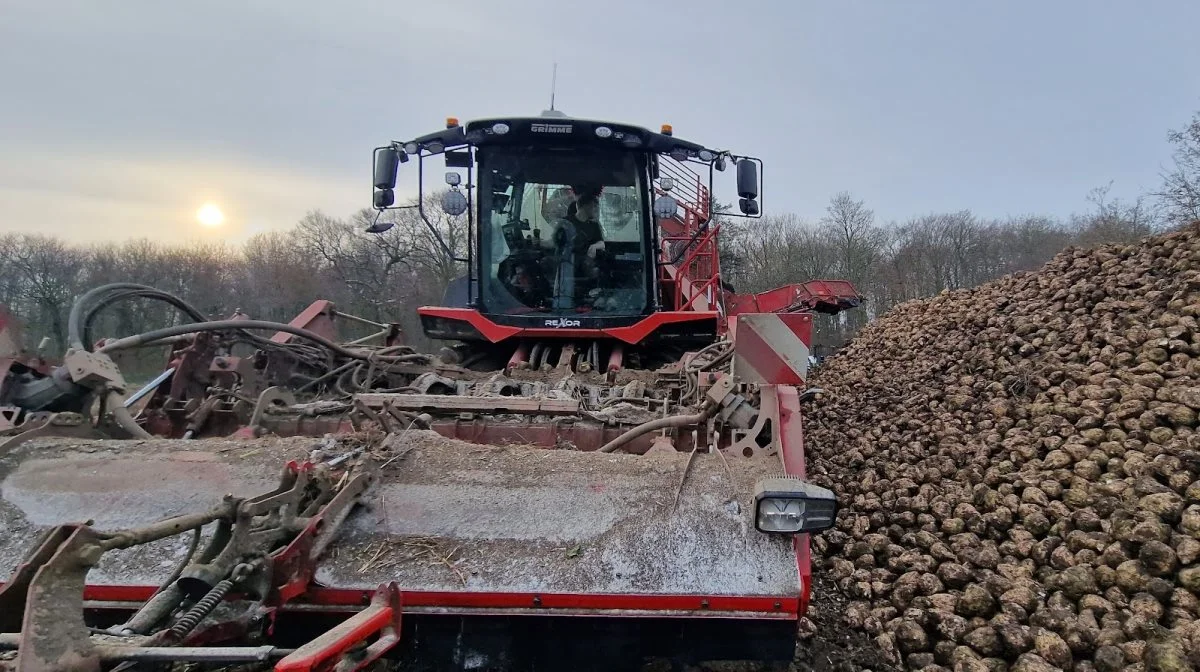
(451, 122)
(666, 129)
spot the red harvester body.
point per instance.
(607, 464)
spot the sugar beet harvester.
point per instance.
(606, 464)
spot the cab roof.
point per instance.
(554, 128)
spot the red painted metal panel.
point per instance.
(759, 360)
(315, 318)
(306, 661)
(633, 334)
(771, 348)
(768, 606)
(332, 650)
(490, 330)
(636, 333)
(791, 452)
(824, 296)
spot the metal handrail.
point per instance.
(700, 291)
(689, 187)
(698, 265)
(703, 279)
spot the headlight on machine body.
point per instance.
(784, 505)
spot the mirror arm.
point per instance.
(425, 218)
(663, 144)
(450, 138)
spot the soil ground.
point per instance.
(834, 647)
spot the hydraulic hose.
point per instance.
(74, 331)
(121, 416)
(81, 335)
(80, 322)
(154, 294)
(661, 423)
(75, 324)
(224, 325)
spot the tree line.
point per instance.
(272, 276)
(899, 261)
(892, 262)
(384, 277)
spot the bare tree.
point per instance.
(859, 243)
(47, 272)
(281, 276)
(427, 239)
(1113, 220)
(1180, 191)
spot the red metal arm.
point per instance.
(822, 296)
(332, 651)
(317, 318)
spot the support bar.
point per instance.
(332, 650)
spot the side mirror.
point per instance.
(378, 226)
(387, 165)
(383, 198)
(747, 179)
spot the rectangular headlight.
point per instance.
(785, 505)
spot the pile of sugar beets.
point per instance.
(1019, 466)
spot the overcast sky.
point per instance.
(120, 119)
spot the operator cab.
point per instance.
(564, 221)
(563, 233)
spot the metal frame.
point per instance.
(351, 600)
(44, 600)
(335, 650)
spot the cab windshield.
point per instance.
(562, 231)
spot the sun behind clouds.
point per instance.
(210, 215)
